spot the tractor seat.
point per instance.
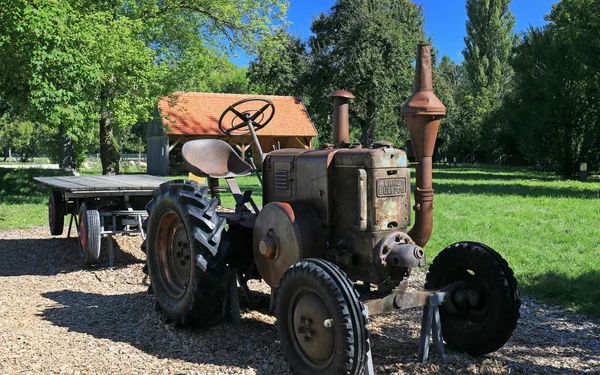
(213, 158)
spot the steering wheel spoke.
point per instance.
(235, 112)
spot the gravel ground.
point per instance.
(57, 317)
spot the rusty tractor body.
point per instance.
(333, 221)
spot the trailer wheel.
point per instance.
(480, 315)
(89, 233)
(320, 320)
(56, 213)
(186, 265)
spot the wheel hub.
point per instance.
(82, 233)
(181, 255)
(311, 316)
(51, 213)
(176, 262)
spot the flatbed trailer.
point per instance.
(100, 206)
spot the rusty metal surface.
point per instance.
(395, 255)
(294, 175)
(213, 158)
(423, 101)
(283, 235)
(341, 125)
(376, 181)
(423, 111)
(402, 300)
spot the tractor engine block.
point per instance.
(361, 197)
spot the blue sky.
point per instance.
(444, 20)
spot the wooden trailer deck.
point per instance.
(100, 206)
(102, 186)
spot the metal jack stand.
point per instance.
(401, 299)
(430, 326)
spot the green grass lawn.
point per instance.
(22, 201)
(546, 228)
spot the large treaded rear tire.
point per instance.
(186, 263)
(340, 349)
(481, 327)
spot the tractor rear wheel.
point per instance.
(482, 313)
(186, 265)
(320, 320)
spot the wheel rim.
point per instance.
(51, 212)
(313, 339)
(174, 252)
(82, 232)
(470, 304)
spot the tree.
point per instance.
(368, 48)
(280, 66)
(449, 86)
(555, 110)
(82, 62)
(489, 43)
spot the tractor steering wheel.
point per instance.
(256, 116)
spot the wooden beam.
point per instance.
(171, 147)
(242, 149)
(303, 143)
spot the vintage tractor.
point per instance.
(334, 221)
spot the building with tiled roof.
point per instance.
(196, 115)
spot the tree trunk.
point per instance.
(66, 161)
(368, 128)
(109, 155)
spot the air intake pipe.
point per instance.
(341, 126)
(423, 111)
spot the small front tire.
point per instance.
(320, 320)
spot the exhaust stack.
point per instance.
(341, 126)
(423, 111)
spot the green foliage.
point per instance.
(15, 134)
(86, 65)
(489, 43)
(23, 204)
(367, 48)
(281, 65)
(214, 72)
(555, 110)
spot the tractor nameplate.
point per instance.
(391, 187)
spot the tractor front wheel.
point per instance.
(483, 309)
(186, 265)
(320, 320)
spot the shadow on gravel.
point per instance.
(544, 342)
(131, 318)
(52, 256)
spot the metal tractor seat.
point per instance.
(214, 158)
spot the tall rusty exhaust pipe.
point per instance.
(423, 111)
(341, 126)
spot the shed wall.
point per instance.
(157, 155)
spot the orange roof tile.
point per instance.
(198, 113)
